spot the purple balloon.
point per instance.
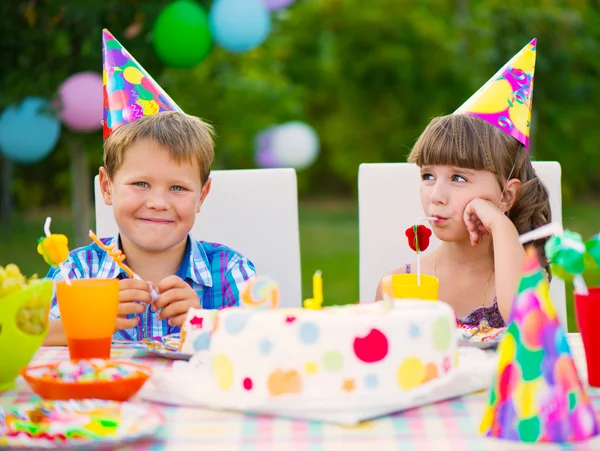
(81, 103)
(277, 4)
(264, 156)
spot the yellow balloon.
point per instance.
(149, 106)
(223, 370)
(133, 75)
(411, 373)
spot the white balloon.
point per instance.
(294, 144)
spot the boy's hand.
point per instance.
(175, 298)
(480, 215)
(131, 290)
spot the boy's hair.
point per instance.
(468, 142)
(187, 139)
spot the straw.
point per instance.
(541, 232)
(421, 219)
(61, 268)
(118, 256)
(548, 230)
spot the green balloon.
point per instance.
(181, 34)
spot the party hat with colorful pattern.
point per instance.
(505, 100)
(129, 91)
(536, 395)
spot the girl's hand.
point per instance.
(480, 215)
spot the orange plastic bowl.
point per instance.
(113, 390)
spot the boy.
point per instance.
(156, 177)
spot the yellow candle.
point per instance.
(318, 288)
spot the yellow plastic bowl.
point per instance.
(17, 348)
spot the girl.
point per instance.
(479, 183)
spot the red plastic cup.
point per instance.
(587, 312)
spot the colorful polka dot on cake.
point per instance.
(442, 333)
(411, 373)
(311, 368)
(284, 382)
(309, 333)
(371, 348)
(235, 322)
(333, 361)
(223, 371)
(202, 342)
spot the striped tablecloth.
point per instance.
(445, 426)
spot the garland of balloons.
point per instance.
(182, 37)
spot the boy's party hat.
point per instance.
(536, 395)
(505, 100)
(129, 91)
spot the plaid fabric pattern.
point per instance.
(451, 425)
(214, 271)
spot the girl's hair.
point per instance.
(469, 142)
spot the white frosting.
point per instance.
(336, 353)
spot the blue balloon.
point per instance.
(28, 132)
(239, 25)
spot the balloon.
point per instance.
(263, 154)
(294, 144)
(81, 101)
(28, 132)
(239, 25)
(181, 34)
(277, 4)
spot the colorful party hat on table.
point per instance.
(129, 91)
(536, 395)
(505, 100)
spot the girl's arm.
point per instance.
(483, 217)
(508, 262)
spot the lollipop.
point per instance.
(566, 254)
(592, 257)
(119, 257)
(565, 250)
(260, 292)
(54, 248)
(418, 239)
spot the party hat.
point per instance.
(505, 100)
(129, 91)
(537, 396)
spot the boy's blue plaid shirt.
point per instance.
(214, 271)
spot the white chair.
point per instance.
(389, 203)
(255, 212)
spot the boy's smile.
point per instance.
(155, 199)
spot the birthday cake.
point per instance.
(343, 351)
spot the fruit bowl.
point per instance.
(50, 382)
(23, 327)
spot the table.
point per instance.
(450, 425)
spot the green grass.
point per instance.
(328, 239)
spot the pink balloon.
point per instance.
(81, 101)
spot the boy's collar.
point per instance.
(194, 267)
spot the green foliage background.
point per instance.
(367, 75)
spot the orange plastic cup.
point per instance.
(405, 286)
(88, 310)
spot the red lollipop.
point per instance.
(418, 237)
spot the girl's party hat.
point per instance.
(505, 100)
(129, 91)
(536, 395)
